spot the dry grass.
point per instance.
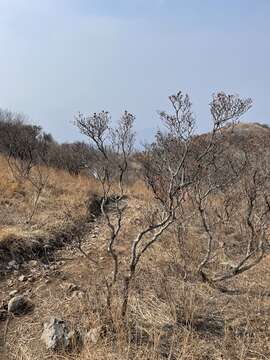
(139, 191)
(170, 316)
(64, 197)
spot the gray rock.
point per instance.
(19, 305)
(57, 336)
(13, 265)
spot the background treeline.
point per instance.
(30, 143)
(26, 142)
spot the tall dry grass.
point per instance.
(170, 315)
(64, 196)
(169, 318)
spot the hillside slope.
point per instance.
(64, 201)
(172, 313)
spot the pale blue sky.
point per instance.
(61, 56)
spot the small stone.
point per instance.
(22, 278)
(13, 293)
(19, 305)
(13, 265)
(57, 336)
(32, 263)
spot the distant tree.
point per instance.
(72, 157)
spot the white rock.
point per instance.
(13, 293)
(22, 278)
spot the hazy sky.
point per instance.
(61, 56)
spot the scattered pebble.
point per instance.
(13, 265)
(22, 278)
(13, 293)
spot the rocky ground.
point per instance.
(48, 304)
(42, 283)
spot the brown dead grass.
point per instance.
(64, 197)
(170, 316)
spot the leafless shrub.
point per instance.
(111, 169)
(249, 213)
(26, 149)
(177, 166)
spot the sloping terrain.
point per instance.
(173, 318)
(64, 202)
(171, 315)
